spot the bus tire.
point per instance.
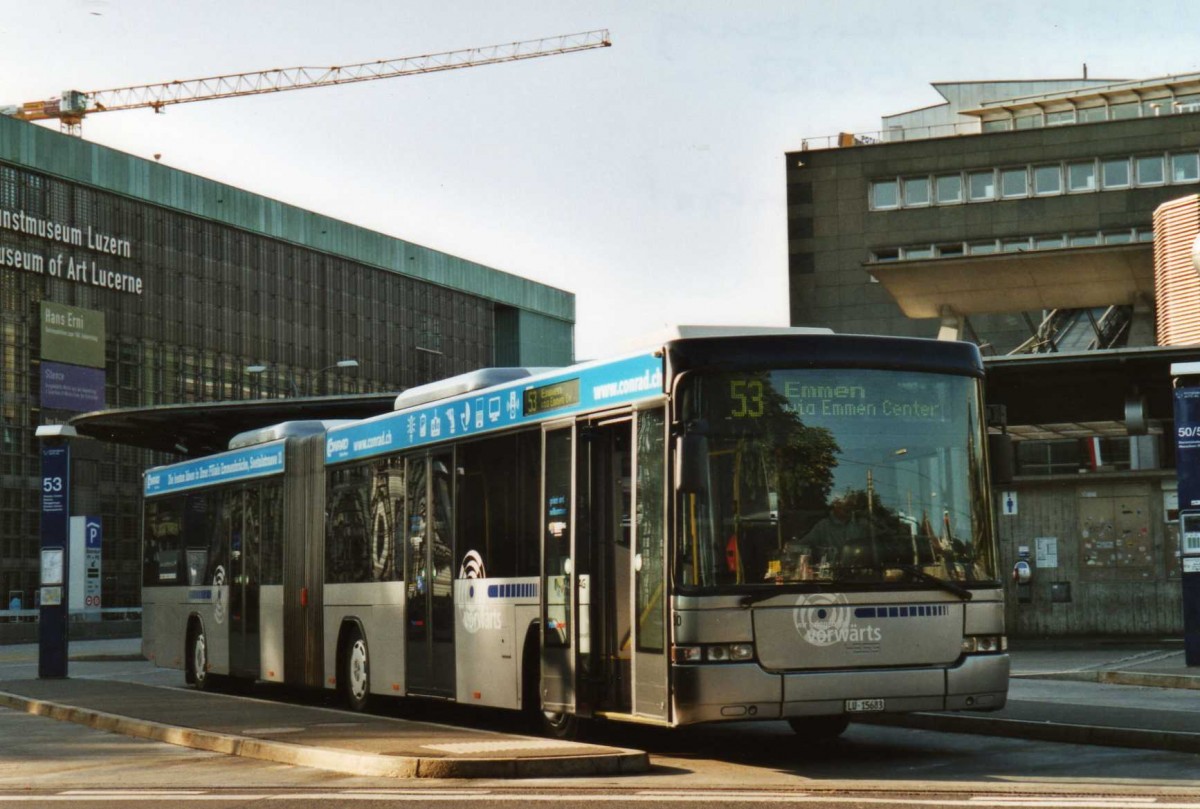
(818, 728)
(548, 723)
(355, 674)
(197, 666)
(560, 725)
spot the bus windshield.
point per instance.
(850, 477)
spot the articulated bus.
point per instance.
(733, 525)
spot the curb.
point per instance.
(1140, 678)
(620, 763)
(1045, 731)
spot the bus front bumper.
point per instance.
(746, 691)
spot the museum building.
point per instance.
(126, 283)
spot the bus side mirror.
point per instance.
(1001, 458)
(691, 463)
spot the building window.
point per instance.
(884, 255)
(1155, 108)
(1119, 237)
(954, 250)
(918, 253)
(1028, 121)
(981, 185)
(1014, 183)
(1150, 170)
(950, 190)
(885, 194)
(1048, 457)
(1081, 176)
(1115, 173)
(1185, 168)
(1088, 115)
(1188, 103)
(1049, 242)
(1060, 118)
(1084, 240)
(916, 191)
(998, 125)
(981, 248)
(1119, 112)
(1047, 180)
(1014, 245)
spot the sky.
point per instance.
(647, 178)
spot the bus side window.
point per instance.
(347, 551)
(161, 540)
(272, 537)
(203, 543)
(497, 506)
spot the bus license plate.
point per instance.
(864, 705)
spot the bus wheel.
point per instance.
(198, 661)
(560, 725)
(818, 728)
(356, 672)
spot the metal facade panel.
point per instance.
(79, 161)
(544, 341)
(1177, 285)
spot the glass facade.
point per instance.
(1044, 180)
(186, 309)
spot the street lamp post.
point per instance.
(339, 364)
(259, 369)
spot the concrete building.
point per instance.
(125, 283)
(1020, 215)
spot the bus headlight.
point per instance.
(984, 644)
(713, 653)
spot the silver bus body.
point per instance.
(611, 614)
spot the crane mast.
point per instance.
(73, 105)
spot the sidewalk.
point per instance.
(289, 733)
(1151, 664)
(1115, 692)
(1100, 691)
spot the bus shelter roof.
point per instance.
(203, 428)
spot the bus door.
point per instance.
(649, 528)
(244, 531)
(560, 640)
(429, 576)
(602, 537)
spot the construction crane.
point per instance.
(73, 105)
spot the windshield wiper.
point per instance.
(948, 586)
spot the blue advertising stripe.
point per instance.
(242, 464)
(911, 611)
(517, 590)
(600, 385)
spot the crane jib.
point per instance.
(71, 108)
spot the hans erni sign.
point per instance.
(71, 334)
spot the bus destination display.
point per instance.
(551, 397)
